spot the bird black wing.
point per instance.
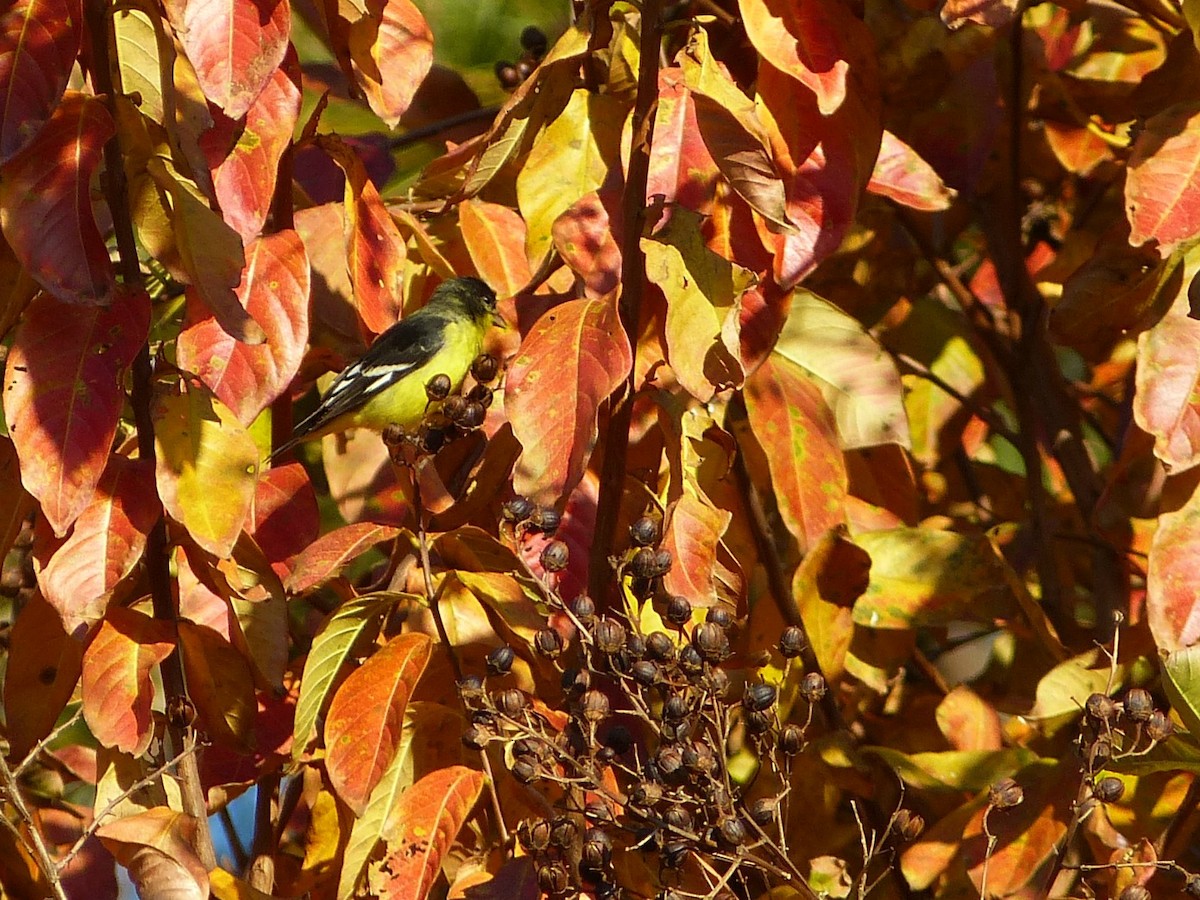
(402, 349)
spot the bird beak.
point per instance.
(498, 320)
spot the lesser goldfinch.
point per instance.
(387, 386)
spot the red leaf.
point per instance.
(362, 729)
(811, 40)
(39, 40)
(495, 238)
(375, 251)
(901, 175)
(694, 528)
(430, 813)
(681, 168)
(391, 51)
(117, 690)
(583, 236)
(826, 162)
(1172, 608)
(235, 46)
(63, 396)
(105, 544)
(43, 668)
(1167, 401)
(284, 518)
(575, 356)
(244, 178)
(797, 433)
(274, 291)
(1162, 187)
(323, 559)
(46, 203)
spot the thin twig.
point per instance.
(46, 742)
(433, 129)
(34, 844)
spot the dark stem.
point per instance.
(262, 860)
(633, 285)
(433, 129)
(156, 557)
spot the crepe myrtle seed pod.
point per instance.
(555, 556)
(673, 855)
(759, 697)
(510, 702)
(711, 642)
(1138, 705)
(717, 682)
(679, 611)
(642, 564)
(584, 608)
(553, 878)
(1135, 892)
(597, 848)
(812, 688)
(481, 394)
(677, 818)
(534, 835)
(791, 739)
(454, 408)
(757, 722)
(472, 415)
(618, 739)
(762, 810)
(908, 824)
(548, 643)
(1005, 794)
(525, 770)
(506, 74)
(1100, 707)
(608, 635)
(470, 690)
(438, 387)
(575, 681)
(485, 368)
(719, 616)
(663, 560)
(500, 660)
(545, 520)
(646, 672)
(594, 706)
(1109, 789)
(644, 532)
(1159, 727)
(791, 642)
(517, 510)
(476, 737)
(564, 831)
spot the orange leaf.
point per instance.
(324, 558)
(234, 46)
(274, 291)
(1171, 605)
(796, 429)
(44, 664)
(105, 544)
(46, 203)
(495, 238)
(220, 684)
(284, 519)
(583, 237)
(63, 396)
(391, 52)
(39, 40)
(694, 528)
(901, 175)
(117, 691)
(681, 168)
(430, 813)
(1162, 190)
(1167, 402)
(573, 358)
(362, 730)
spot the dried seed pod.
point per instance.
(791, 642)
(1192, 887)
(526, 747)
(545, 520)
(476, 737)
(659, 646)
(759, 697)
(642, 564)
(454, 408)
(1100, 707)
(525, 770)
(432, 439)
(1005, 794)
(717, 682)
(1135, 892)
(618, 739)
(711, 642)
(691, 663)
(908, 824)
(609, 635)
(485, 368)
(699, 758)
(510, 702)
(635, 646)
(598, 811)
(555, 556)
(393, 435)
(553, 878)
(594, 706)
(517, 510)
(719, 616)
(575, 681)
(646, 673)
(1159, 727)
(757, 722)
(663, 560)
(679, 611)
(678, 731)
(500, 660)
(731, 831)
(597, 848)
(481, 394)
(506, 74)
(791, 739)
(812, 688)
(644, 532)
(548, 642)
(674, 855)
(534, 835)
(1139, 705)
(564, 831)
(438, 387)
(645, 794)
(472, 415)
(678, 818)
(471, 692)
(1109, 789)
(584, 608)
(762, 810)
(669, 760)
(676, 708)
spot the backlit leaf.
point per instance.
(430, 815)
(796, 430)
(206, 465)
(495, 238)
(274, 290)
(583, 237)
(104, 546)
(44, 664)
(157, 849)
(235, 46)
(39, 40)
(63, 394)
(284, 519)
(362, 730)
(46, 203)
(1167, 404)
(117, 690)
(391, 49)
(570, 158)
(1171, 584)
(901, 175)
(832, 575)
(1162, 196)
(693, 529)
(954, 770)
(220, 684)
(324, 558)
(138, 60)
(1181, 669)
(337, 640)
(573, 358)
(682, 170)
(856, 376)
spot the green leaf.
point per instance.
(1181, 680)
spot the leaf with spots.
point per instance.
(362, 730)
(430, 813)
(44, 663)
